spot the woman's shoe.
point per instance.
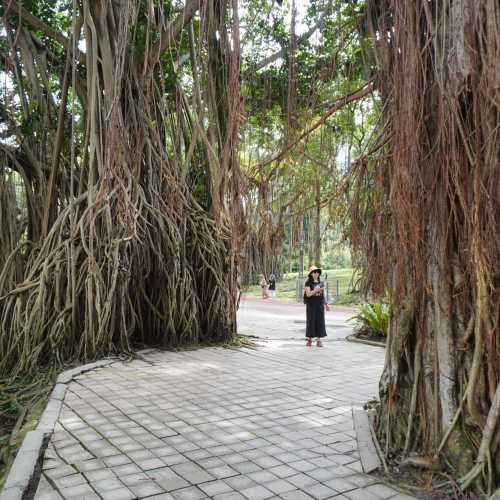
(309, 343)
(319, 343)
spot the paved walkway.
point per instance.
(271, 422)
(284, 319)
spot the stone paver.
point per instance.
(270, 422)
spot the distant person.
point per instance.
(264, 286)
(314, 297)
(272, 285)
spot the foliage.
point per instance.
(372, 319)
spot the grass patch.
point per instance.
(338, 280)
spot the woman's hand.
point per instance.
(327, 307)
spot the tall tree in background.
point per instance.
(427, 215)
(300, 106)
(130, 180)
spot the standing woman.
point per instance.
(264, 286)
(314, 297)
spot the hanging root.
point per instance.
(424, 216)
(484, 454)
(131, 256)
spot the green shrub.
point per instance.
(372, 319)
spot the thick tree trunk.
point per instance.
(435, 241)
(131, 256)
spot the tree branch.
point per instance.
(170, 32)
(338, 104)
(34, 22)
(281, 53)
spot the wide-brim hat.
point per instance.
(313, 268)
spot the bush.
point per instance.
(372, 320)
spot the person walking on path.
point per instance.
(272, 285)
(264, 286)
(314, 297)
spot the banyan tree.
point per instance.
(118, 177)
(427, 214)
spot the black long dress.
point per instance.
(315, 313)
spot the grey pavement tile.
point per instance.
(283, 471)
(322, 475)
(322, 462)
(68, 481)
(355, 466)
(197, 455)
(140, 455)
(301, 481)
(256, 493)
(174, 459)
(361, 494)
(116, 460)
(303, 466)
(107, 451)
(266, 461)
(239, 483)
(320, 491)
(164, 451)
(262, 476)
(128, 447)
(363, 480)
(191, 493)
(150, 463)
(213, 488)
(99, 475)
(51, 463)
(64, 470)
(135, 478)
(233, 458)
(222, 471)
(146, 489)
(78, 491)
(239, 447)
(192, 473)
(381, 490)
(210, 463)
(296, 495)
(340, 484)
(342, 471)
(217, 451)
(89, 465)
(279, 486)
(45, 491)
(125, 470)
(229, 496)
(341, 459)
(107, 484)
(246, 467)
(186, 447)
(118, 494)
(168, 479)
(306, 454)
(288, 457)
(77, 457)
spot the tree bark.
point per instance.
(440, 251)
